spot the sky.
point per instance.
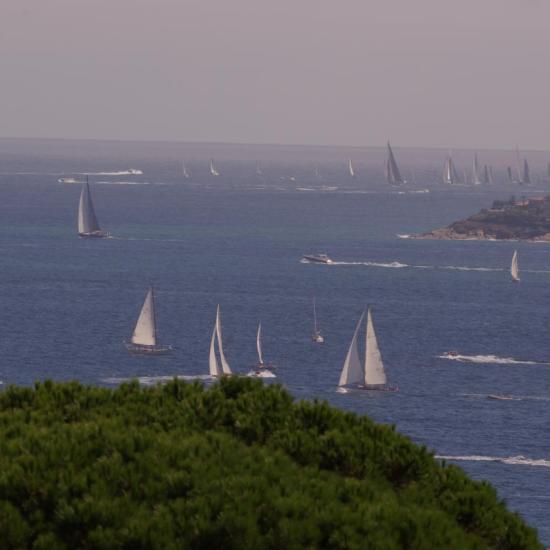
(434, 73)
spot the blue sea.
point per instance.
(67, 304)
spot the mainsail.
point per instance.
(259, 344)
(476, 176)
(486, 177)
(393, 175)
(509, 174)
(351, 371)
(213, 169)
(87, 220)
(374, 368)
(514, 269)
(145, 333)
(213, 361)
(450, 175)
(350, 169)
(526, 173)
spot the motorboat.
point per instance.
(317, 258)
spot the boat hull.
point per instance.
(136, 349)
(94, 235)
(317, 260)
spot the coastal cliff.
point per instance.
(524, 220)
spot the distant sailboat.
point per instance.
(371, 374)
(486, 176)
(393, 175)
(184, 170)
(316, 335)
(317, 171)
(509, 174)
(88, 226)
(491, 178)
(350, 169)
(144, 338)
(221, 367)
(213, 169)
(526, 179)
(514, 269)
(476, 175)
(450, 175)
(258, 169)
(261, 369)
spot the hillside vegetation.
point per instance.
(235, 466)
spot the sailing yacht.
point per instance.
(367, 376)
(316, 335)
(514, 269)
(221, 367)
(450, 174)
(88, 226)
(213, 169)
(393, 175)
(526, 179)
(261, 369)
(476, 174)
(259, 172)
(184, 170)
(144, 338)
(486, 176)
(350, 169)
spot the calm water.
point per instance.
(68, 304)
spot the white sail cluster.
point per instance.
(218, 367)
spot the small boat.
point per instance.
(68, 180)
(317, 258)
(213, 169)
(393, 175)
(371, 374)
(218, 367)
(88, 226)
(502, 397)
(450, 354)
(260, 367)
(514, 269)
(316, 335)
(135, 172)
(144, 338)
(184, 170)
(350, 169)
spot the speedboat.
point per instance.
(135, 171)
(68, 180)
(450, 354)
(317, 258)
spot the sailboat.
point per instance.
(144, 338)
(350, 169)
(509, 174)
(316, 335)
(184, 170)
(526, 179)
(476, 175)
(221, 367)
(367, 376)
(88, 226)
(261, 369)
(450, 175)
(258, 169)
(514, 269)
(393, 175)
(486, 176)
(213, 170)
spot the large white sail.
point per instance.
(352, 373)
(213, 169)
(514, 269)
(450, 175)
(259, 344)
(145, 333)
(225, 365)
(393, 175)
(374, 368)
(350, 168)
(212, 360)
(476, 175)
(87, 220)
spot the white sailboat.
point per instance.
(259, 172)
(476, 173)
(88, 226)
(213, 169)
(184, 170)
(393, 175)
(144, 337)
(371, 374)
(221, 367)
(450, 174)
(316, 335)
(261, 369)
(514, 269)
(350, 169)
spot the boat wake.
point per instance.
(153, 380)
(394, 265)
(514, 460)
(466, 268)
(130, 172)
(131, 183)
(489, 359)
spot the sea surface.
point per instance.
(67, 304)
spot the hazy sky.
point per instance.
(468, 73)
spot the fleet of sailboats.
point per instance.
(393, 175)
(218, 364)
(88, 226)
(369, 374)
(144, 338)
(514, 268)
